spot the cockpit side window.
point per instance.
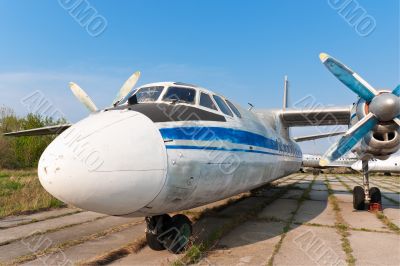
(206, 101)
(222, 105)
(180, 94)
(234, 109)
(148, 94)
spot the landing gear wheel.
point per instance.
(358, 198)
(316, 171)
(153, 242)
(156, 225)
(375, 195)
(178, 234)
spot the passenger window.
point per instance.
(206, 101)
(179, 94)
(234, 109)
(222, 105)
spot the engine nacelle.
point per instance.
(382, 141)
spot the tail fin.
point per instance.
(286, 102)
(285, 93)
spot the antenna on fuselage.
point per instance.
(285, 93)
(251, 106)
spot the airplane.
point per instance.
(388, 166)
(312, 161)
(170, 146)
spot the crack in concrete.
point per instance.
(287, 227)
(340, 225)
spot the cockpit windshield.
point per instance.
(180, 94)
(148, 94)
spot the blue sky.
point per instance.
(241, 49)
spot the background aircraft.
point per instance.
(388, 166)
(171, 146)
(312, 160)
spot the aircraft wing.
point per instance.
(318, 136)
(316, 117)
(50, 130)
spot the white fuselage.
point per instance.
(311, 160)
(133, 161)
(208, 161)
(390, 165)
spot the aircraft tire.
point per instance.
(179, 233)
(358, 198)
(156, 241)
(375, 195)
(153, 242)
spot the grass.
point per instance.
(385, 220)
(4, 175)
(213, 211)
(287, 227)
(70, 243)
(341, 226)
(383, 195)
(131, 248)
(344, 184)
(349, 228)
(22, 193)
(197, 251)
(373, 182)
(42, 232)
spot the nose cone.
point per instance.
(356, 166)
(112, 162)
(385, 106)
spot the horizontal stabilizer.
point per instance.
(50, 130)
(318, 136)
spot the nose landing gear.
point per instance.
(365, 196)
(164, 232)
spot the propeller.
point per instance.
(127, 87)
(82, 96)
(125, 90)
(383, 107)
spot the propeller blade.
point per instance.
(396, 91)
(350, 139)
(397, 120)
(127, 87)
(82, 96)
(349, 78)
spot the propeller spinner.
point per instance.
(383, 107)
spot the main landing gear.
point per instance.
(365, 196)
(164, 232)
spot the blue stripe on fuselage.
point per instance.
(226, 134)
(188, 147)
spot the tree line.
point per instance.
(23, 152)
